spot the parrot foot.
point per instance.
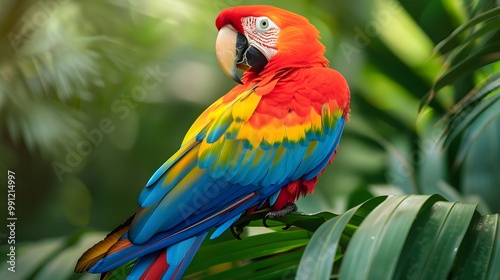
(238, 230)
(289, 208)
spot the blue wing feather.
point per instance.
(225, 226)
(141, 266)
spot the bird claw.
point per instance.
(287, 227)
(236, 233)
(238, 230)
(289, 208)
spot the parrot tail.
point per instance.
(166, 263)
(99, 250)
(169, 263)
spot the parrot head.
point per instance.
(260, 39)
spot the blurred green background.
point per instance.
(95, 95)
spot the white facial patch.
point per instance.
(262, 33)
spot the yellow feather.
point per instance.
(227, 153)
(295, 133)
(243, 109)
(204, 150)
(217, 108)
(180, 166)
(311, 148)
(248, 133)
(259, 158)
(315, 120)
(202, 121)
(191, 178)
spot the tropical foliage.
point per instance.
(83, 130)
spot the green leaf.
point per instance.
(468, 104)
(122, 271)
(444, 45)
(52, 258)
(424, 232)
(379, 240)
(442, 255)
(433, 241)
(251, 247)
(492, 25)
(479, 258)
(299, 219)
(277, 267)
(475, 60)
(478, 158)
(320, 252)
(461, 124)
(309, 222)
(477, 50)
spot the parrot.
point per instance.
(260, 146)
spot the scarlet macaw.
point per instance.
(263, 144)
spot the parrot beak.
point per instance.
(233, 51)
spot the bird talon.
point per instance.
(238, 230)
(287, 227)
(287, 209)
(264, 220)
(235, 234)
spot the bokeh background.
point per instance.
(95, 95)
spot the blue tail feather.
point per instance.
(169, 263)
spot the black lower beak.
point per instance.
(248, 58)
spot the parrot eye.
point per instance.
(263, 24)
